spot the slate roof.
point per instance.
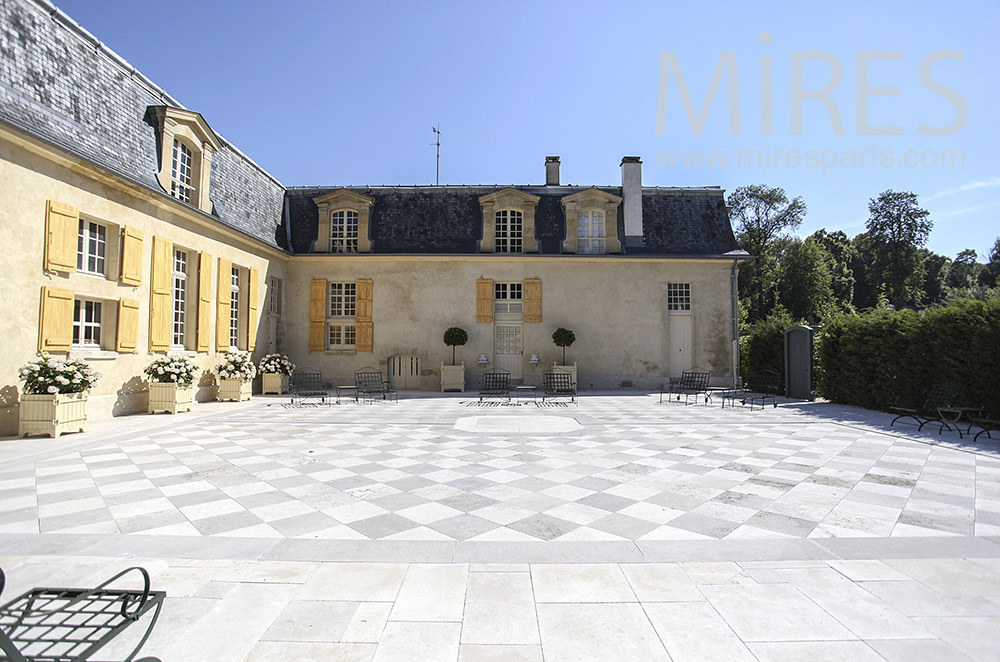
(60, 84)
(449, 219)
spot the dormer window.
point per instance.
(590, 232)
(508, 222)
(180, 172)
(591, 222)
(343, 222)
(344, 231)
(509, 231)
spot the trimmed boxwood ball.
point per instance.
(454, 337)
(563, 338)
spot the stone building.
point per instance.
(134, 229)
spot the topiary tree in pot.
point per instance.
(563, 338)
(454, 337)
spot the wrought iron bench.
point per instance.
(72, 624)
(368, 383)
(691, 383)
(937, 396)
(986, 423)
(558, 384)
(307, 383)
(757, 389)
(495, 383)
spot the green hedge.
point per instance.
(762, 349)
(881, 358)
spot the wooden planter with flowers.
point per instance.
(272, 382)
(54, 399)
(171, 384)
(275, 370)
(236, 373)
(235, 390)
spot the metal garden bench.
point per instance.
(757, 389)
(369, 384)
(936, 397)
(72, 624)
(495, 383)
(558, 384)
(691, 383)
(307, 383)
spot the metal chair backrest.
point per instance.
(306, 379)
(940, 395)
(369, 381)
(694, 380)
(557, 381)
(496, 380)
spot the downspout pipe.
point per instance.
(288, 228)
(734, 273)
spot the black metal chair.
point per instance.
(72, 624)
(306, 384)
(935, 397)
(558, 384)
(368, 383)
(757, 389)
(495, 383)
(691, 383)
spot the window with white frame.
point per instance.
(341, 327)
(678, 297)
(274, 296)
(508, 228)
(344, 231)
(92, 248)
(508, 298)
(590, 232)
(234, 309)
(87, 324)
(178, 338)
(181, 171)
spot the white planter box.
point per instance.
(453, 377)
(52, 414)
(571, 369)
(170, 397)
(235, 389)
(273, 382)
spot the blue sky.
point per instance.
(346, 93)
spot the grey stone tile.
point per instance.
(381, 526)
(543, 527)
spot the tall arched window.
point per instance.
(508, 231)
(344, 231)
(590, 232)
(180, 172)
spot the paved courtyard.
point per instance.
(439, 528)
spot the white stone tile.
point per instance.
(283, 651)
(773, 612)
(355, 582)
(499, 653)
(814, 651)
(975, 636)
(311, 620)
(368, 622)
(920, 650)
(660, 582)
(418, 642)
(694, 632)
(575, 632)
(580, 583)
(432, 592)
(866, 570)
(500, 609)
(716, 572)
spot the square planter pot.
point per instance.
(170, 397)
(273, 382)
(235, 389)
(52, 414)
(453, 377)
(571, 369)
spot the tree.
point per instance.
(964, 270)
(841, 255)
(805, 285)
(899, 228)
(935, 272)
(454, 337)
(763, 215)
(563, 338)
(990, 275)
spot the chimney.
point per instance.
(632, 193)
(552, 171)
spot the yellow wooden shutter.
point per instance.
(128, 326)
(62, 228)
(204, 301)
(317, 315)
(533, 300)
(131, 256)
(222, 307)
(484, 300)
(55, 325)
(160, 299)
(364, 340)
(252, 309)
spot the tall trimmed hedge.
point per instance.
(762, 349)
(880, 358)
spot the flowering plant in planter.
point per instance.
(48, 376)
(176, 369)
(236, 365)
(276, 364)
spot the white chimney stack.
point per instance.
(632, 193)
(552, 171)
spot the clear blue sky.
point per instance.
(346, 93)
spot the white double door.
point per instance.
(508, 347)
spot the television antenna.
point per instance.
(437, 167)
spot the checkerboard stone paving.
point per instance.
(609, 469)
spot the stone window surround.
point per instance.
(509, 198)
(191, 130)
(592, 199)
(343, 200)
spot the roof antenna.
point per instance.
(437, 167)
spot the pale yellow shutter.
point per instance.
(533, 300)
(160, 299)
(222, 308)
(204, 301)
(252, 308)
(128, 326)
(484, 300)
(131, 256)
(62, 228)
(55, 324)
(317, 315)
(364, 341)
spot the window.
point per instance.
(92, 247)
(344, 231)
(590, 232)
(87, 324)
(342, 336)
(178, 338)
(343, 299)
(678, 296)
(508, 298)
(234, 309)
(341, 326)
(274, 296)
(509, 225)
(180, 172)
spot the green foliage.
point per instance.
(882, 357)
(762, 349)
(840, 257)
(805, 284)
(935, 271)
(898, 228)
(990, 276)
(563, 338)
(964, 272)
(453, 337)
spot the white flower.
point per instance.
(52, 389)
